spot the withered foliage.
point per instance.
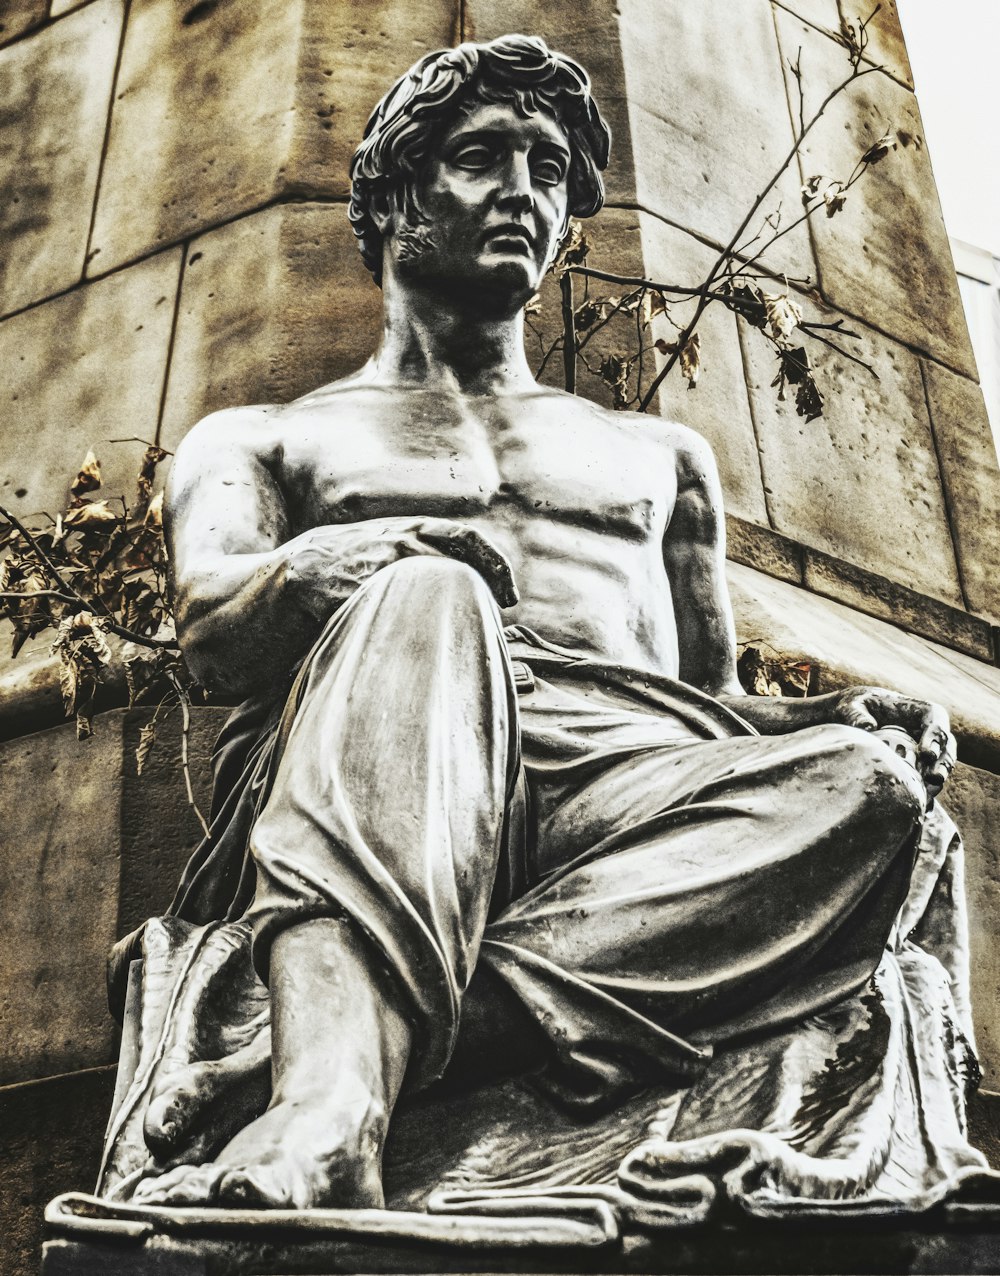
(96, 576)
(638, 356)
(770, 674)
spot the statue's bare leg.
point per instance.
(340, 1050)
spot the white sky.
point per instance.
(954, 48)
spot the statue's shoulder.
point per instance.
(252, 431)
(681, 445)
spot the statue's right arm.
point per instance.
(249, 598)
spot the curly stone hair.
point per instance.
(519, 70)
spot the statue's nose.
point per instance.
(517, 193)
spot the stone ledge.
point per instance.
(865, 591)
(190, 1242)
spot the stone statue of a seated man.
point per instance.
(496, 804)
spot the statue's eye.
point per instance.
(549, 172)
(473, 157)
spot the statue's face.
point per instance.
(495, 198)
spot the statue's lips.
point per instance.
(511, 233)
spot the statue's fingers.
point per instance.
(467, 545)
(856, 715)
(935, 739)
(939, 772)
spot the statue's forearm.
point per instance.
(775, 715)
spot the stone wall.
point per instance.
(175, 240)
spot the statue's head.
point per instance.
(475, 160)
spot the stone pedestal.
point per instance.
(90, 1238)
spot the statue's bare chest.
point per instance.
(575, 467)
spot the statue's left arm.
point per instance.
(694, 556)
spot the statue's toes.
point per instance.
(185, 1185)
(252, 1189)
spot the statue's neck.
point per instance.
(430, 340)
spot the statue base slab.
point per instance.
(90, 1237)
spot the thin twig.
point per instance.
(631, 281)
(185, 703)
(19, 596)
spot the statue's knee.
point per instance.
(890, 786)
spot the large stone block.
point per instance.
(718, 407)
(885, 256)
(709, 122)
(586, 30)
(51, 1143)
(55, 91)
(272, 305)
(862, 481)
(847, 647)
(59, 884)
(81, 370)
(216, 114)
(971, 482)
(973, 798)
(18, 16)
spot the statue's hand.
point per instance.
(928, 724)
(325, 565)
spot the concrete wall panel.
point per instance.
(55, 91)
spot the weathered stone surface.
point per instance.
(708, 129)
(215, 114)
(59, 883)
(55, 90)
(90, 851)
(821, 13)
(18, 16)
(862, 481)
(51, 1143)
(79, 371)
(885, 37)
(973, 798)
(885, 256)
(588, 31)
(59, 7)
(272, 305)
(767, 551)
(848, 647)
(159, 829)
(718, 407)
(971, 482)
(873, 594)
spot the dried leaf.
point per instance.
(574, 248)
(690, 360)
(147, 738)
(83, 651)
(154, 515)
(795, 369)
(151, 458)
(586, 315)
(746, 299)
(653, 304)
(88, 478)
(831, 191)
(783, 316)
(615, 371)
(92, 515)
(880, 149)
(772, 675)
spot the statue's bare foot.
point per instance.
(322, 1148)
(197, 1109)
